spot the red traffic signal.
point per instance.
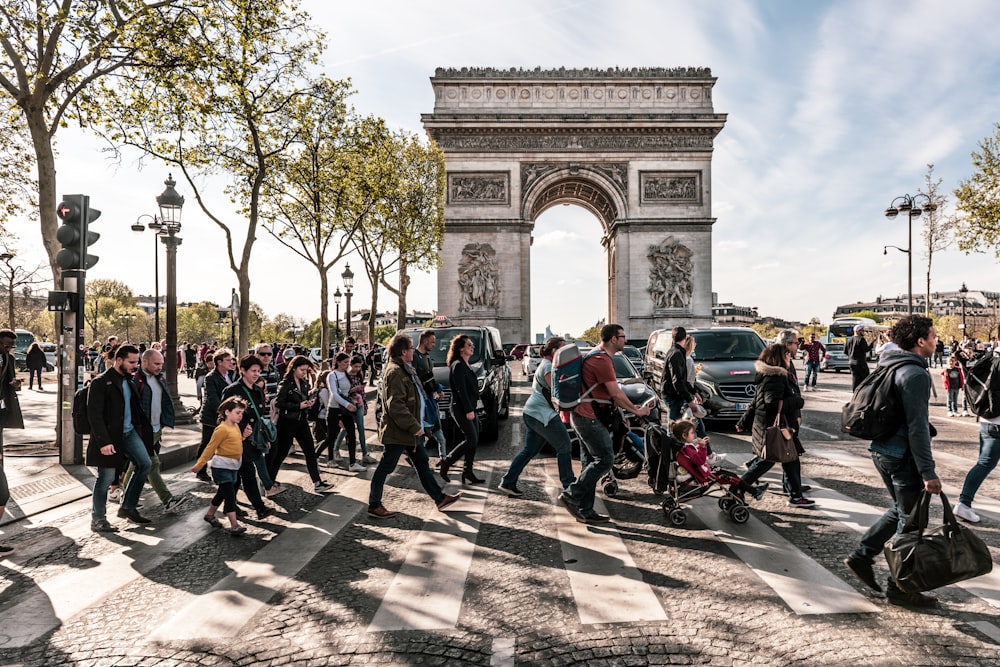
(74, 234)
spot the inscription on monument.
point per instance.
(478, 278)
(656, 187)
(639, 143)
(670, 275)
(492, 187)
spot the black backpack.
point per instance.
(875, 411)
(81, 421)
(980, 392)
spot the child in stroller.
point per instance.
(681, 470)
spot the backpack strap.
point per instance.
(592, 353)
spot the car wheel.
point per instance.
(491, 425)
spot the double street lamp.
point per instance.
(124, 315)
(155, 227)
(964, 292)
(910, 205)
(348, 277)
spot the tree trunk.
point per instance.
(404, 283)
(371, 316)
(244, 278)
(45, 164)
(324, 313)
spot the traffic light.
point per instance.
(74, 234)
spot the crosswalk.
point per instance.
(428, 587)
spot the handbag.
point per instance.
(921, 559)
(779, 446)
(264, 430)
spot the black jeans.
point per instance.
(390, 458)
(903, 481)
(288, 429)
(470, 429)
(32, 372)
(792, 473)
(858, 373)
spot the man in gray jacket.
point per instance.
(904, 460)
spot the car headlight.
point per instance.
(710, 387)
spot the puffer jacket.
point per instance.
(774, 387)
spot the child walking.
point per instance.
(954, 380)
(225, 451)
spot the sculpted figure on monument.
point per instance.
(670, 274)
(478, 278)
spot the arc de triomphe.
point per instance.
(633, 146)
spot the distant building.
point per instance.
(728, 314)
(982, 308)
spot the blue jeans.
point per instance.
(903, 481)
(596, 454)
(953, 403)
(989, 454)
(359, 420)
(676, 408)
(537, 434)
(99, 508)
(134, 450)
(812, 369)
(390, 458)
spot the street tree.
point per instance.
(326, 185)
(55, 51)
(104, 298)
(197, 322)
(227, 116)
(870, 314)
(412, 213)
(17, 183)
(978, 200)
(938, 229)
(15, 278)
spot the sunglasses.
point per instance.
(265, 354)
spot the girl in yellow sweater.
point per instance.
(225, 452)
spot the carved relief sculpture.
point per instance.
(478, 278)
(479, 188)
(671, 188)
(670, 275)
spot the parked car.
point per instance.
(632, 383)
(725, 357)
(635, 357)
(518, 350)
(531, 360)
(51, 355)
(835, 359)
(22, 342)
(489, 363)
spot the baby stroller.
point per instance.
(630, 455)
(681, 480)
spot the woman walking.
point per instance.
(342, 411)
(35, 361)
(293, 401)
(464, 397)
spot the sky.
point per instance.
(834, 109)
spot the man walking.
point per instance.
(857, 349)
(675, 390)
(424, 365)
(591, 420)
(401, 430)
(158, 407)
(904, 459)
(119, 430)
(814, 353)
(10, 410)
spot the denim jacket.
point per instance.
(913, 383)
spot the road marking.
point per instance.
(223, 610)
(607, 586)
(428, 589)
(816, 430)
(988, 629)
(503, 652)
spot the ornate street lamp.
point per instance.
(964, 292)
(124, 315)
(171, 203)
(336, 326)
(155, 227)
(348, 277)
(909, 205)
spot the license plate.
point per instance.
(742, 406)
(443, 415)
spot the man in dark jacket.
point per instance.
(675, 390)
(157, 405)
(904, 459)
(857, 352)
(215, 383)
(10, 409)
(119, 430)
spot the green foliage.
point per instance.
(105, 299)
(870, 314)
(384, 334)
(593, 334)
(767, 331)
(197, 323)
(978, 199)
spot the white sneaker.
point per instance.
(715, 459)
(367, 459)
(965, 413)
(357, 467)
(115, 495)
(963, 511)
(951, 414)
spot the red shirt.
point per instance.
(597, 369)
(813, 350)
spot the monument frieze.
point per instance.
(638, 143)
(484, 188)
(670, 187)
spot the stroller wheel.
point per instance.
(668, 504)
(611, 488)
(739, 513)
(677, 516)
(725, 503)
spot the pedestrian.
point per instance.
(158, 407)
(857, 349)
(190, 360)
(215, 383)
(464, 398)
(424, 365)
(953, 379)
(675, 390)
(541, 425)
(939, 353)
(119, 431)
(35, 360)
(342, 410)
(989, 452)
(814, 354)
(10, 410)
(776, 394)
(269, 372)
(225, 450)
(320, 427)
(592, 420)
(360, 400)
(698, 411)
(255, 446)
(401, 431)
(904, 460)
(293, 400)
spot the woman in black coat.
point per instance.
(464, 398)
(775, 388)
(36, 363)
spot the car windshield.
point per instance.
(534, 351)
(727, 345)
(631, 352)
(623, 367)
(834, 347)
(439, 355)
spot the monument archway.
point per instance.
(633, 146)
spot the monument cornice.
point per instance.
(521, 74)
(556, 140)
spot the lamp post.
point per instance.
(171, 203)
(155, 227)
(127, 317)
(964, 291)
(336, 326)
(348, 277)
(909, 205)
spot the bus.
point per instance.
(842, 328)
(21, 344)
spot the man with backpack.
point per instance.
(903, 458)
(983, 397)
(592, 420)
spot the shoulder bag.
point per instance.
(264, 430)
(779, 446)
(921, 559)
